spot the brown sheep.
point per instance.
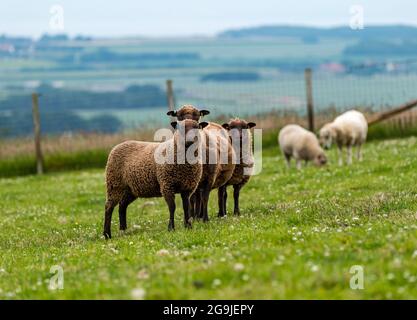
(218, 167)
(239, 132)
(215, 174)
(133, 172)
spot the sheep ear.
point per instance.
(204, 112)
(251, 125)
(202, 125)
(226, 126)
(172, 113)
(174, 124)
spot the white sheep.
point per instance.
(349, 129)
(300, 144)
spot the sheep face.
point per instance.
(239, 125)
(320, 159)
(241, 138)
(188, 131)
(326, 137)
(188, 112)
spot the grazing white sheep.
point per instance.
(349, 129)
(301, 144)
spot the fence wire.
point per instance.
(373, 88)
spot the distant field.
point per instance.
(272, 59)
(298, 236)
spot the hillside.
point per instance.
(311, 33)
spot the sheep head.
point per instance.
(188, 112)
(327, 135)
(188, 131)
(239, 132)
(320, 159)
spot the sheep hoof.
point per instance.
(188, 225)
(236, 213)
(171, 227)
(107, 235)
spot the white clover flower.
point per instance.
(238, 267)
(186, 253)
(138, 294)
(143, 274)
(314, 268)
(217, 282)
(163, 252)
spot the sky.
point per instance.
(168, 18)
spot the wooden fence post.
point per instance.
(37, 133)
(309, 96)
(170, 96)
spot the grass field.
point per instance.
(298, 236)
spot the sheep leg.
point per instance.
(186, 206)
(109, 207)
(340, 155)
(198, 210)
(288, 160)
(359, 152)
(205, 198)
(127, 199)
(222, 206)
(298, 164)
(193, 204)
(225, 201)
(170, 200)
(349, 154)
(236, 194)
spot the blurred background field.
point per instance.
(99, 81)
(96, 92)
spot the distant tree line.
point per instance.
(59, 109)
(382, 48)
(105, 55)
(230, 76)
(313, 33)
(16, 123)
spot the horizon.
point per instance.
(197, 36)
(161, 19)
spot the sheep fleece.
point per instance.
(299, 143)
(131, 166)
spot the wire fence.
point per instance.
(73, 117)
